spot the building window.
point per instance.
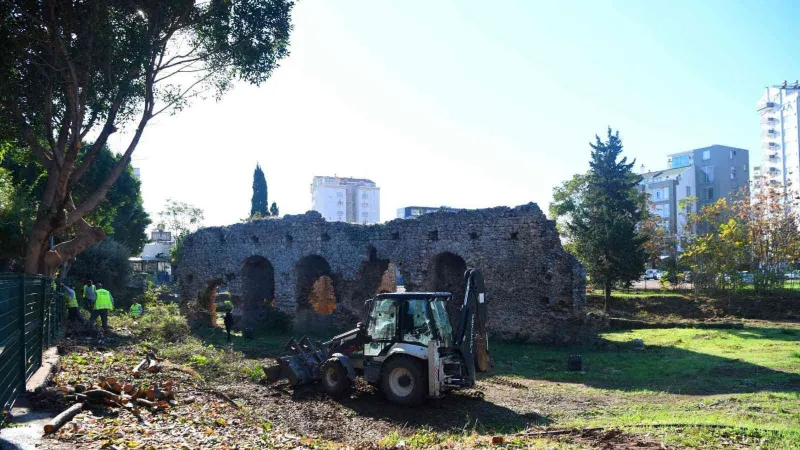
(365, 205)
(708, 174)
(681, 161)
(666, 193)
(706, 155)
(688, 191)
(708, 193)
(339, 203)
(732, 153)
(339, 213)
(733, 173)
(364, 214)
(666, 210)
(658, 194)
(364, 195)
(340, 194)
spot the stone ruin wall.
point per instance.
(536, 289)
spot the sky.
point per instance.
(472, 104)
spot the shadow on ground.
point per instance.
(619, 366)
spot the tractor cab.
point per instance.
(414, 318)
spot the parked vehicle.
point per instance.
(793, 275)
(653, 274)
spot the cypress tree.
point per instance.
(258, 204)
(605, 223)
(274, 209)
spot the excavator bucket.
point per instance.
(301, 365)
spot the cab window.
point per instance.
(382, 326)
(415, 326)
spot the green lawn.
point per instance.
(747, 379)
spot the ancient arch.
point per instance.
(257, 288)
(315, 289)
(446, 274)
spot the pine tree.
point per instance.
(605, 223)
(258, 204)
(274, 209)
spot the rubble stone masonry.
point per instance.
(536, 290)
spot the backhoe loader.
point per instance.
(407, 347)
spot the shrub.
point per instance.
(161, 324)
(277, 322)
(225, 307)
(106, 263)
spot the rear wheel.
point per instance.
(404, 381)
(335, 380)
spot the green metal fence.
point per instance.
(31, 319)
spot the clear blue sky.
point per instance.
(473, 104)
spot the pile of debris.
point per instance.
(116, 393)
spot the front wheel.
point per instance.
(404, 381)
(335, 380)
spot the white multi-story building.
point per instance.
(780, 165)
(353, 200)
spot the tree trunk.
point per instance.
(607, 289)
(40, 234)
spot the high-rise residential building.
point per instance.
(705, 174)
(353, 200)
(777, 109)
(411, 212)
(137, 173)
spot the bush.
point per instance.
(106, 263)
(225, 307)
(159, 324)
(276, 322)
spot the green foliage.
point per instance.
(226, 306)
(161, 324)
(602, 211)
(180, 217)
(122, 216)
(258, 203)
(567, 198)
(276, 322)
(273, 210)
(106, 263)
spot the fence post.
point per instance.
(22, 328)
(44, 326)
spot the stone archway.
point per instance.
(315, 290)
(257, 292)
(446, 274)
(208, 303)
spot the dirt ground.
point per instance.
(498, 406)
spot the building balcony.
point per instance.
(767, 120)
(767, 106)
(770, 133)
(770, 145)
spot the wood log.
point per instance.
(99, 394)
(143, 402)
(142, 365)
(77, 398)
(65, 416)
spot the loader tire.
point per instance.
(335, 380)
(404, 381)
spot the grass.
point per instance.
(748, 380)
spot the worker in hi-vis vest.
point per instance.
(73, 312)
(136, 309)
(102, 305)
(89, 295)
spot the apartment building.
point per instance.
(777, 109)
(706, 174)
(411, 212)
(353, 200)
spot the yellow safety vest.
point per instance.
(103, 300)
(72, 301)
(136, 310)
